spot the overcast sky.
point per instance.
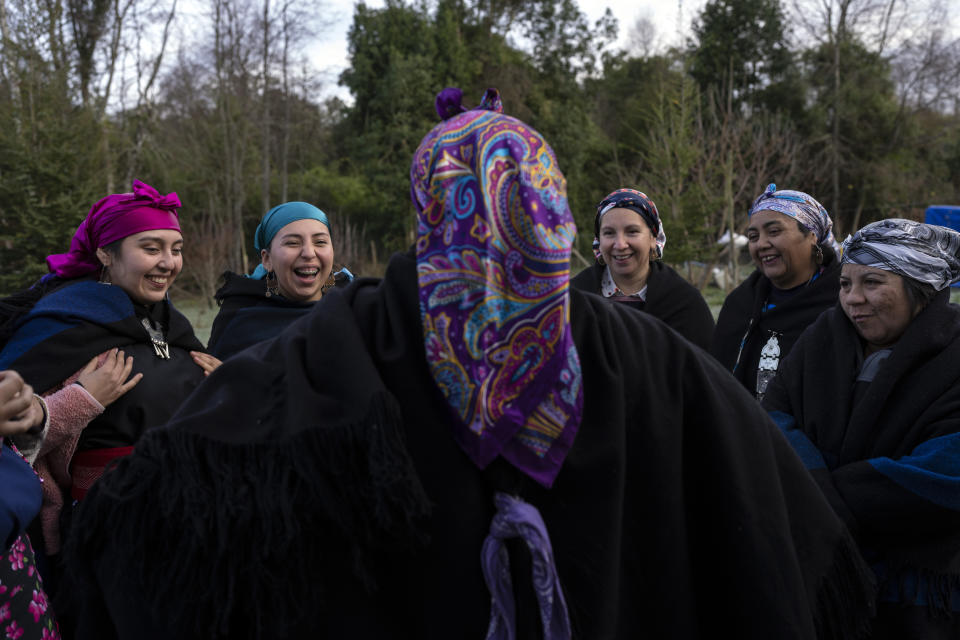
(330, 52)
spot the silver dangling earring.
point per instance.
(104, 275)
(273, 288)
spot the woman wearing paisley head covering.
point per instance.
(791, 241)
(469, 446)
(296, 253)
(628, 244)
(869, 397)
(99, 336)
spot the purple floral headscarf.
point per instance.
(494, 237)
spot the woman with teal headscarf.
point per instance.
(296, 253)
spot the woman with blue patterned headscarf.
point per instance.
(791, 241)
(869, 397)
(295, 247)
(469, 447)
(628, 245)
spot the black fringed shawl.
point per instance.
(742, 319)
(311, 486)
(669, 297)
(890, 465)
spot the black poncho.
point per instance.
(669, 297)
(889, 464)
(743, 327)
(247, 316)
(312, 488)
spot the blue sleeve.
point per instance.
(20, 495)
(802, 445)
(931, 471)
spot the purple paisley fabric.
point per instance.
(494, 236)
(518, 519)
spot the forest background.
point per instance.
(853, 101)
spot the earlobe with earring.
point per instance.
(104, 275)
(818, 254)
(273, 288)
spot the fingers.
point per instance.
(205, 361)
(10, 385)
(129, 384)
(16, 400)
(112, 379)
(91, 366)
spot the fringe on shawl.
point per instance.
(231, 536)
(846, 595)
(911, 584)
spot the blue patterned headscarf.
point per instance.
(800, 206)
(922, 252)
(276, 219)
(494, 237)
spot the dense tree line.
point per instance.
(854, 101)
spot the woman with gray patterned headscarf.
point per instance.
(870, 399)
(791, 241)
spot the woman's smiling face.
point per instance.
(780, 249)
(877, 304)
(627, 246)
(301, 257)
(145, 264)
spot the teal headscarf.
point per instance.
(276, 219)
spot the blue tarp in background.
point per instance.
(945, 216)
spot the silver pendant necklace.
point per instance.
(160, 347)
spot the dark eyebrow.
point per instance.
(765, 225)
(156, 239)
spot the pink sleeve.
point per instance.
(71, 409)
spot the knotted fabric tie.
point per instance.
(516, 518)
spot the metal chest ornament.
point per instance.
(769, 361)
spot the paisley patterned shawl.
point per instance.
(494, 237)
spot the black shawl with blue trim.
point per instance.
(889, 464)
(82, 319)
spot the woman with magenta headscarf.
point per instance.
(628, 242)
(100, 339)
(296, 252)
(791, 241)
(870, 399)
(467, 448)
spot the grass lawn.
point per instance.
(199, 313)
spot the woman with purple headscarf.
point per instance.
(791, 242)
(628, 241)
(468, 448)
(99, 336)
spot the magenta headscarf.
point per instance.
(113, 218)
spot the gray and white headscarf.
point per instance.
(922, 252)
